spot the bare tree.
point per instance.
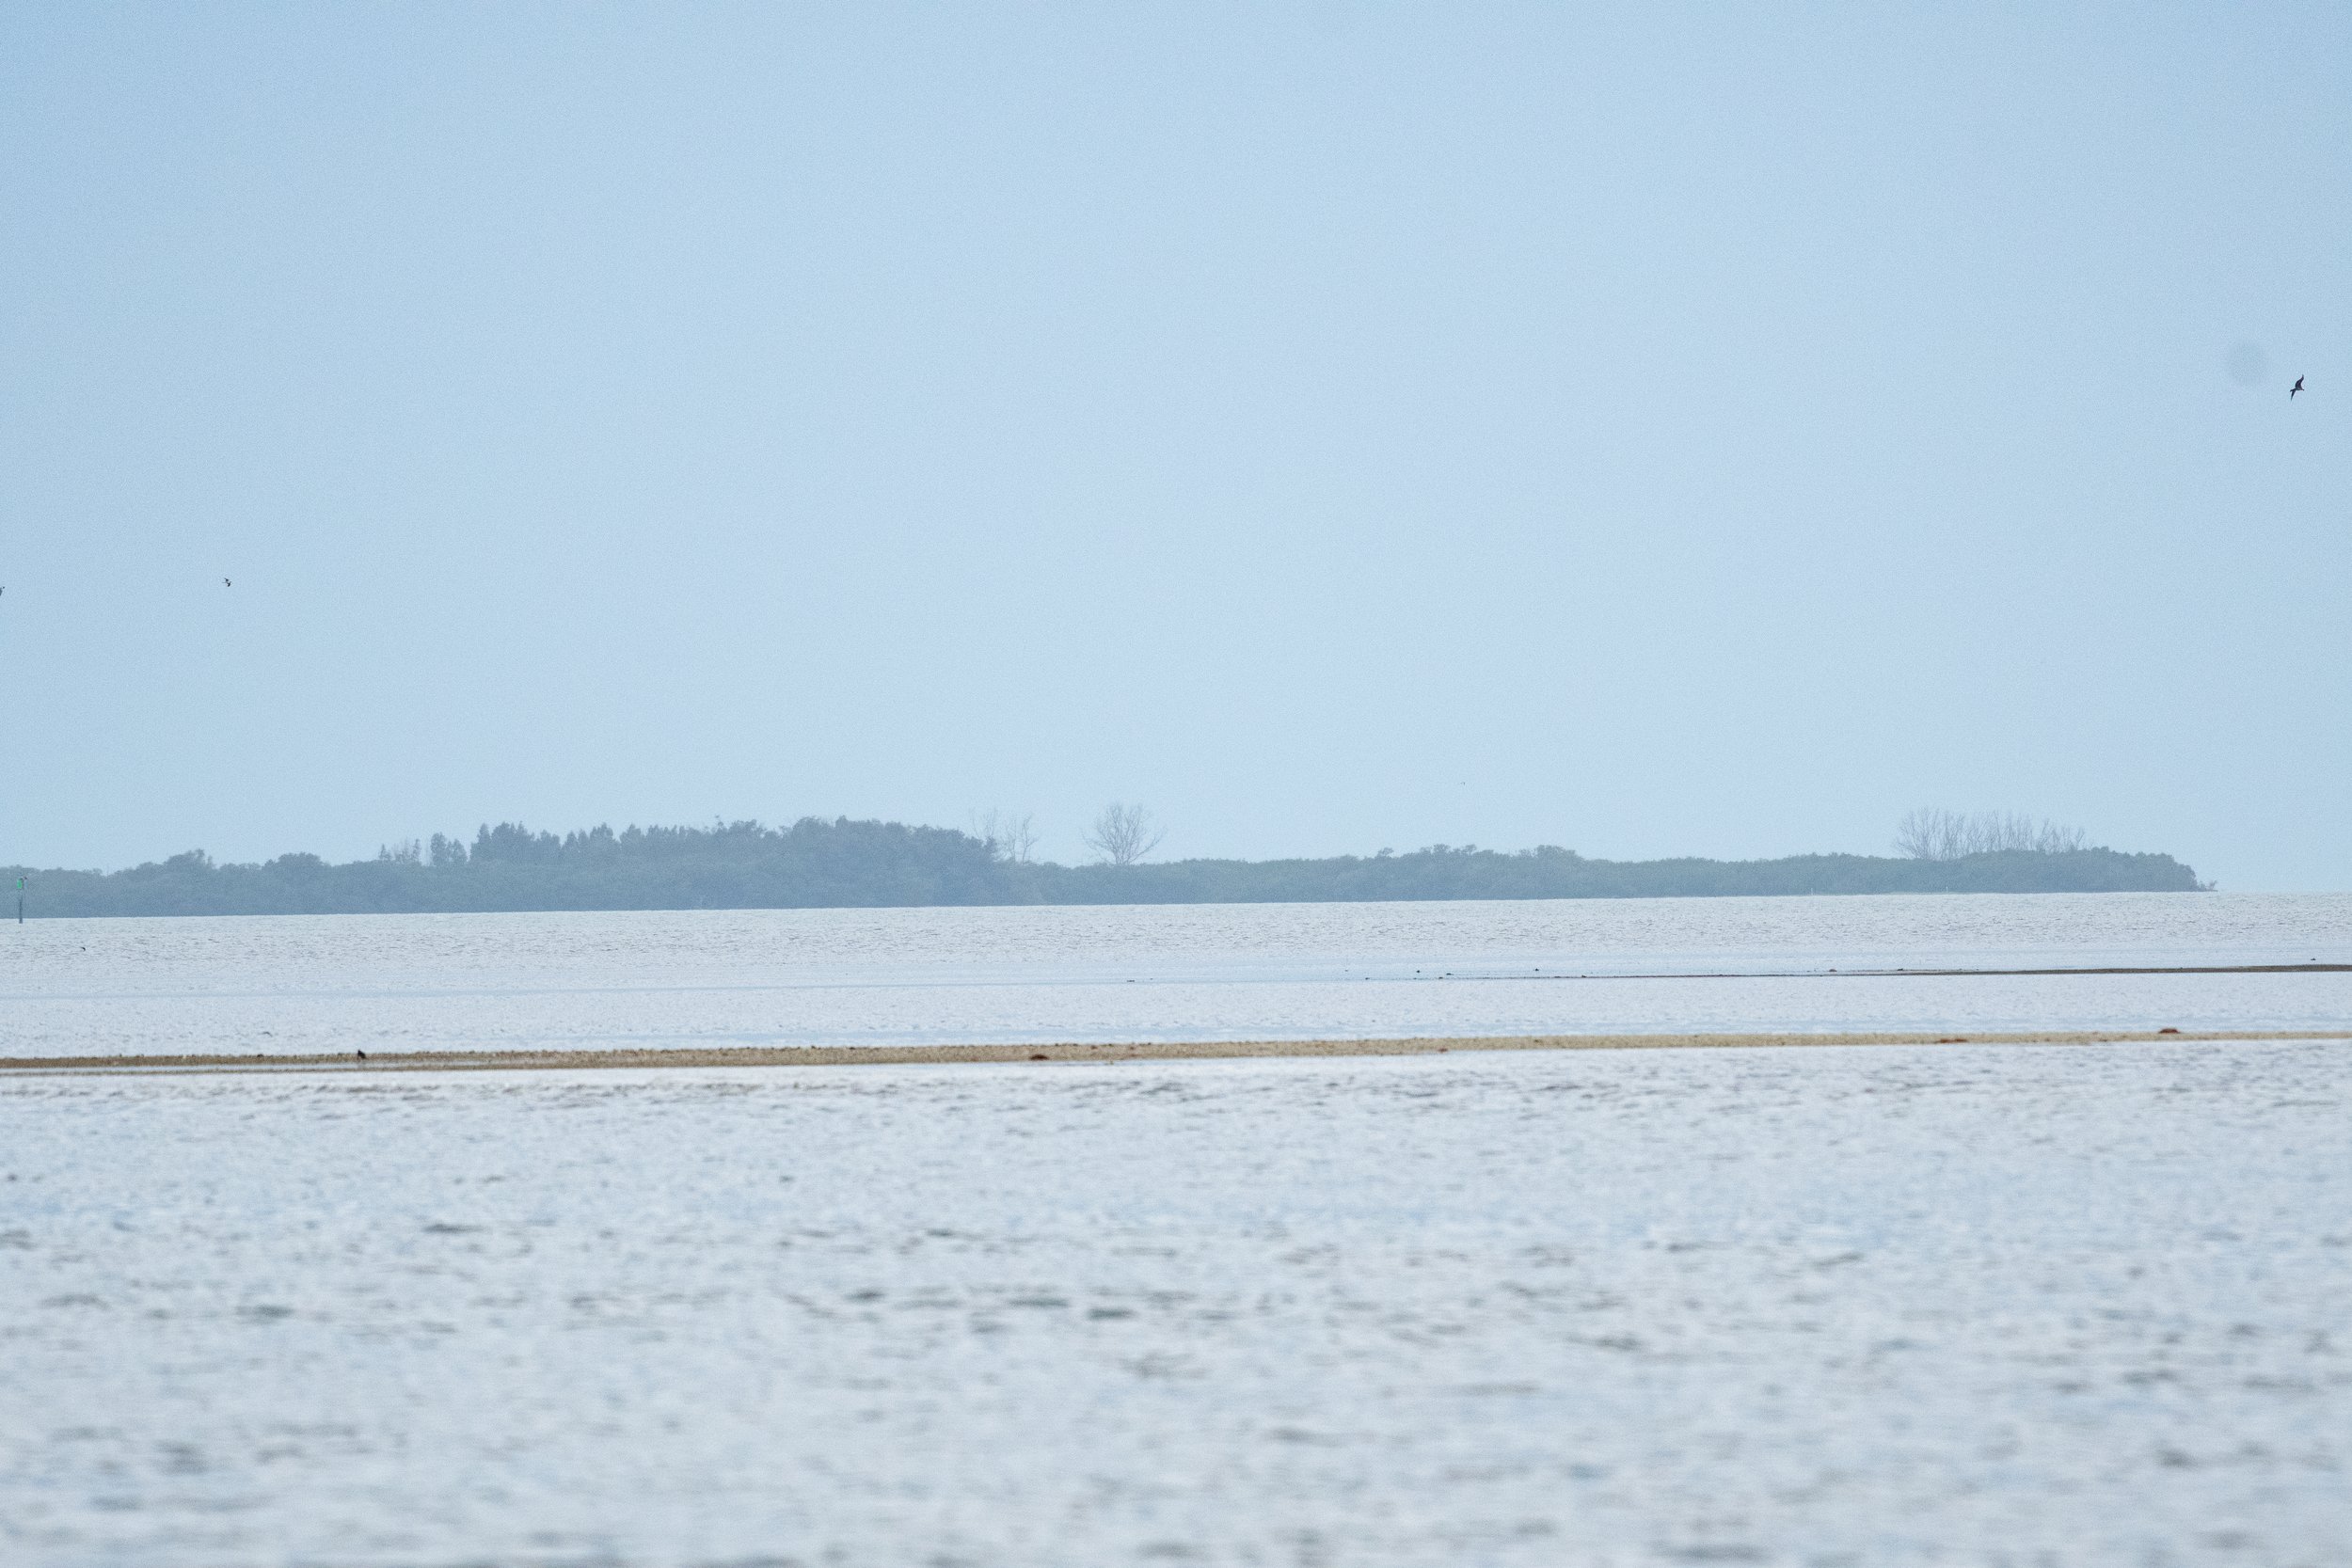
(1124, 834)
(1930, 833)
(1933, 833)
(1009, 837)
(2053, 839)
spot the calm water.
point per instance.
(1956, 1305)
(337, 983)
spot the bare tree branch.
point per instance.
(1124, 834)
(1933, 833)
(1011, 838)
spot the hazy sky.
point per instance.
(1650, 430)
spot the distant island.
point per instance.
(844, 864)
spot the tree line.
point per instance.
(848, 863)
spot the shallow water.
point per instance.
(1863, 1306)
(343, 983)
(1854, 1305)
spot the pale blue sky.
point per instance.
(1647, 430)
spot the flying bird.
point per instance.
(2297, 388)
(225, 583)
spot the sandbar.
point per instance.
(1068, 1051)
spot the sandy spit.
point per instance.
(903, 1055)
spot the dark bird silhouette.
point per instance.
(2297, 388)
(225, 583)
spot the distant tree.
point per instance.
(2016, 830)
(2056, 840)
(1011, 839)
(1933, 833)
(407, 851)
(1930, 833)
(513, 842)
(447, 852)
(601, 841)
(1124, 834)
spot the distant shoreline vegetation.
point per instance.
(816, 864)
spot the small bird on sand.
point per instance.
(2297, 388)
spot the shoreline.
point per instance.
(1067, 1051)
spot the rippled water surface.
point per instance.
(1858, 1305)
(1997, 1306)
(342, 983)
